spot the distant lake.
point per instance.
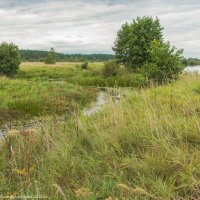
(192, 69)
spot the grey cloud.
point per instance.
(89, 26)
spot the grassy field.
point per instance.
(35, 94)
(72, 73)
(59, 71)
(145, 147)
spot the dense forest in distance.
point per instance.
(191, 61)
(39, 56)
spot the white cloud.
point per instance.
(86, 26)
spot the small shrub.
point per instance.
(84, 65)
(41, 60)
(111, 68)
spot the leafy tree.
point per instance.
(9, 59)
(122, 44)
(134, 40)
(111, 68)
(51, 57)
(140, 46)
(165, 62)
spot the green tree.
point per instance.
(51, 57)
(165, 62)
(134, 40)
(9, 59)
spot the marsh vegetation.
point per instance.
(139, 141)
(144, 147)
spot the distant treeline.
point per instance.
(191, 61)
(40, 56)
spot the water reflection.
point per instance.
(102, 99)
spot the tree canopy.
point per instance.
(9, 59)
(134, 40)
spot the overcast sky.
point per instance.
(90, 26)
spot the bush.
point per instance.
(41, 60)
(84, 65)
(165, 63)
(111, 68)
(9, 59)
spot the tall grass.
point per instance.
(145, 147)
